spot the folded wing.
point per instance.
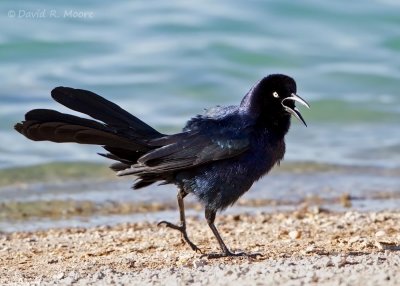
(189, 149)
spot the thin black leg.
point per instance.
(210, 217)
(182, 227)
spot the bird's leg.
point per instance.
(182, 226)
(210, 217)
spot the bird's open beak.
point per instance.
(295, 112)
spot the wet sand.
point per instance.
(306, 246)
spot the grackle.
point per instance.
(217, 156)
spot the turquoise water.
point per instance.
(165, 61)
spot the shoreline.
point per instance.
(89, 194)
(298, 247)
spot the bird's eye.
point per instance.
(275, 94)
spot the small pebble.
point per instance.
(52, 261)
(294, 234)
(354, 239)
(329, 263)
(380, 233)
(59, 276)
(310, 249)
(199, 263)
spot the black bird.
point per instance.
(217, 157)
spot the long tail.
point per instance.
(123, 135)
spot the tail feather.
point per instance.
(101, 109)
(51, 125)
(124, 136)
(49, 115)
(116, 167)
(122, 164)
(124, 153)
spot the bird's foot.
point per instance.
(171, 225)
(182, 230)
(228, 253)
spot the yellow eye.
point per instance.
(275, 94)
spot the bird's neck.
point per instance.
(264, 118)
(279, 126)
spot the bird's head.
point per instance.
(273, 99)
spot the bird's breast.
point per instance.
(220, 183)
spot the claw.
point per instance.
(161, 222)
(171, 225)
(182, 230)
(195, 248)
(231, 254)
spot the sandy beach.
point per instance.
(308, 246)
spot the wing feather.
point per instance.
(189, 149)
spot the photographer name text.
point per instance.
(52, 13)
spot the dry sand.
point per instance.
(303, 247)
